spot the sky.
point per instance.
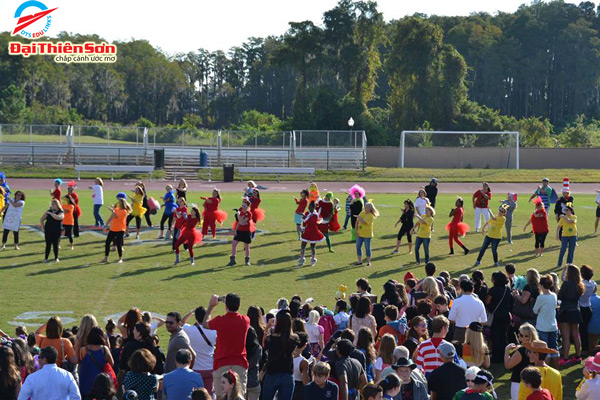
(187, 25)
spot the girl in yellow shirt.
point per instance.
(424, 224)
(493, 234)
(137, 210)
(568, 223)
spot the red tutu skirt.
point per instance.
(197, 235)
(334, 225)
(252, 226)
(258, 214)
(220, 216)
(462, 228)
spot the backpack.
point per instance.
(329, 328)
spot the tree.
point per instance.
(12, 105)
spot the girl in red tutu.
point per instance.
(334, 224)
(212, 214)
(243, 229)
(325, 210)
(180, 211)
(189, 234)
(258, 214)
(312, 234)
(299, 214)
(456, 227)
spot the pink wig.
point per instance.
(357, 189)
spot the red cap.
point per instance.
(408, 275)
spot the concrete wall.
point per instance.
(486, 157)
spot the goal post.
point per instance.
(459, 149)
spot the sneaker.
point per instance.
(301, 261)
(17, 247)
(313, 261)
(564, 362)
(46, 260)
(477, 263)
(137, 237)
(576, 360)
(126, 235)
(496, 264)
(120, 261)
(395, 252)
(368, 264)
(57, 260)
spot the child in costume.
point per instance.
(325, 209)
(300, 208)
(68, 221)
(364, 232)
(211, 213)
(424, 224)
(258, 214)
(456, 227)
(481, 199)
(170, 205)
(189, 234)
(117, 223)
(313, 193)
(249, 189)
(334, 224)
(12, 218)
(406, 219)
(182, 188)
(494, 234)
(180, 211)
(356, 207)
(567, 224)
(137, 210)
(57, 192)
(243, 229)
(98, 197)
(311, 234)
(77, 213)
(539, 224)
(146, 204)
(511, 202)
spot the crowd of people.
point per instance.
(431, 338)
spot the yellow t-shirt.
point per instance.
(551, 380)
(495, 227)
(425, 228)
(137, 210)
(365, 230)
(569, 228)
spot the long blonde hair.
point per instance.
(478, 347)
(370, 209)
(124, 205)
(430, 287)
(87, 323)
(530, 331)
(58, 204)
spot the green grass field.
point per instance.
(80, 284)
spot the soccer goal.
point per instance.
(459, 149)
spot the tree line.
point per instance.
(535, 70)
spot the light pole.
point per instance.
(350, 123)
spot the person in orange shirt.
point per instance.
(53, 338)
(69, 219)
(118, 224)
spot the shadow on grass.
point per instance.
(195, 271)
(144, 271)
(60, 269)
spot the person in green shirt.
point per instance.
(568, 223)
(364, 232)
(493, 235)
(482, 384)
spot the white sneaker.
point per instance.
(313, 261)
(301, 261)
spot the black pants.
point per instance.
(75, 226)
(163, 219)
(118, 238)
(5, 236)
(138, 221)
(52, 240)
(586, 315)
(499, 340)
(69, 232)
(147, 214)
(540, 240)
(405, 230)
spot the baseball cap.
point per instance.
(447, 350)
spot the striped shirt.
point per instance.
(428, 357)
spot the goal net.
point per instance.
(459, 149)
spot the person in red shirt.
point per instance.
(312, 234)
(71, 193)
(243, 229)
(532, 378)
(232, 329)
(258, 214)
(211, 213)
(481, 200)
(539, 224)
(325, 210)
(180, 212)
(301, 207)
(57, 192)
(456, 227)
(189, 234)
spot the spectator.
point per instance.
(321, 388)
(231, 386)
(332, 354)
(203, 342)
(447, 379)
(470, 375)
(594, 325)
(364, 343)
(528, 296)
(518, 360)
(179, 340)
(139, 378)
(362, 318)
(140, 339)
(254, 355)
(391, 386)
(315, 333)
(500, 303)
(537, 351)
(256, 319)
(474, 350)
(482, 384)
(350, 373)
(480, 287)
(416, 334)
(510, 273)
(394, 326)
(465, 310)
(373, 392)
(363, 287)
(587, 273)
(93, 357)
(280, 345)
(428, 356)
(402, 352)
(341, 317)
(127, 322)
(54, 338)
(590, 389)
(232, 329)
(532, 378)
(385, 355)
(85, 327)
(411, 388)
(179, 383)
(10, 377)
(200, 394)
(569, 315)
(301, 367)
(546, 324)
(50, 382)
(103, 388)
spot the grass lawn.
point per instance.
(80, 284)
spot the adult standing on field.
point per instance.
(432, 190)
(12, 218)
(232, 329)
(546, 193)
(481, 199)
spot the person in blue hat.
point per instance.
(57, 192)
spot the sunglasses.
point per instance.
(421, 326)
(170, 322)
(470, 380)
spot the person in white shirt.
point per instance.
(421, 202)
(50, 382)
(597, 212)
(203, 342)
(98, 196)
(466, 309)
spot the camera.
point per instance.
(221, 298)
